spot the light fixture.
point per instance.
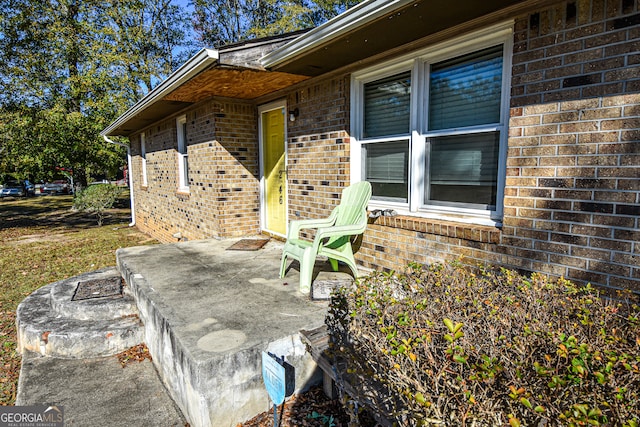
(293, 114)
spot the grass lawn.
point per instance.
(42, 241)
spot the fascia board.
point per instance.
(358, 15)
(189, 69)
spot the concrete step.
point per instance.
(89, 315)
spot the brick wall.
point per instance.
(223, 196)
(573, 189)
(318, 148)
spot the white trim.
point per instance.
(504, 145)
(418, 61)
(183, 150)
(455, 215)
(275, 105)
(130, 176)
(352, 18)
(143, 156)
(188, 70)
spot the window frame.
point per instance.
(143, 156)
(183, 155)
(419, 63)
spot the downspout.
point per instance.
(130, 173)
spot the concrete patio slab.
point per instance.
(206, 314)
(209, 313)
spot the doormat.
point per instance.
(248, 245)
(111, 287)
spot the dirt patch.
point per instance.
(299, 411)
(40, 238)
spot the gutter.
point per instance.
(130, 177)
(358, 15)
(187, 71)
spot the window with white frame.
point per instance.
(430, 130)
(143, 156)
(183, 155)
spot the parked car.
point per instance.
(59, 186)
(15, 188)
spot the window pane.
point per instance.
(185, 168)
(386, 168)
(465, 91)
(387, 105)
(464, 168)
(183, 147)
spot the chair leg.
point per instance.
(351, 262)
(354, 269)
(307, 262)
(283, 264)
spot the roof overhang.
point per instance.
(375, 27)
(232, 71)
(153, 106)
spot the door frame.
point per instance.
(275, 105)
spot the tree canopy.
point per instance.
(68, 68)
(228, 21)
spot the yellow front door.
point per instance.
(275, 171)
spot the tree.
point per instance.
(228, 21)
(97, 199)
(68, 68)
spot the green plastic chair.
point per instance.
(333, 235)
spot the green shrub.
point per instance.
(444, 345)
(97, 199)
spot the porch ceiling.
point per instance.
(232, 82)
(218, 80)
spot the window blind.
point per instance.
(464, 161)
(387, 106)
(466, 91)
(387, 162)
(387, 169)
(183, 129)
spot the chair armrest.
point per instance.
(341, 230)
(296, 225)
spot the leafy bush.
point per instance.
(97, 199)
(444, 345)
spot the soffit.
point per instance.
(151, 114)
(230, 82)
(415, 21)
(238, 73)
(232, 72)
(218, 81)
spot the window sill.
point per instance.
(458, 230)
(183, 193)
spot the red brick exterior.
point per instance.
(572, 195)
